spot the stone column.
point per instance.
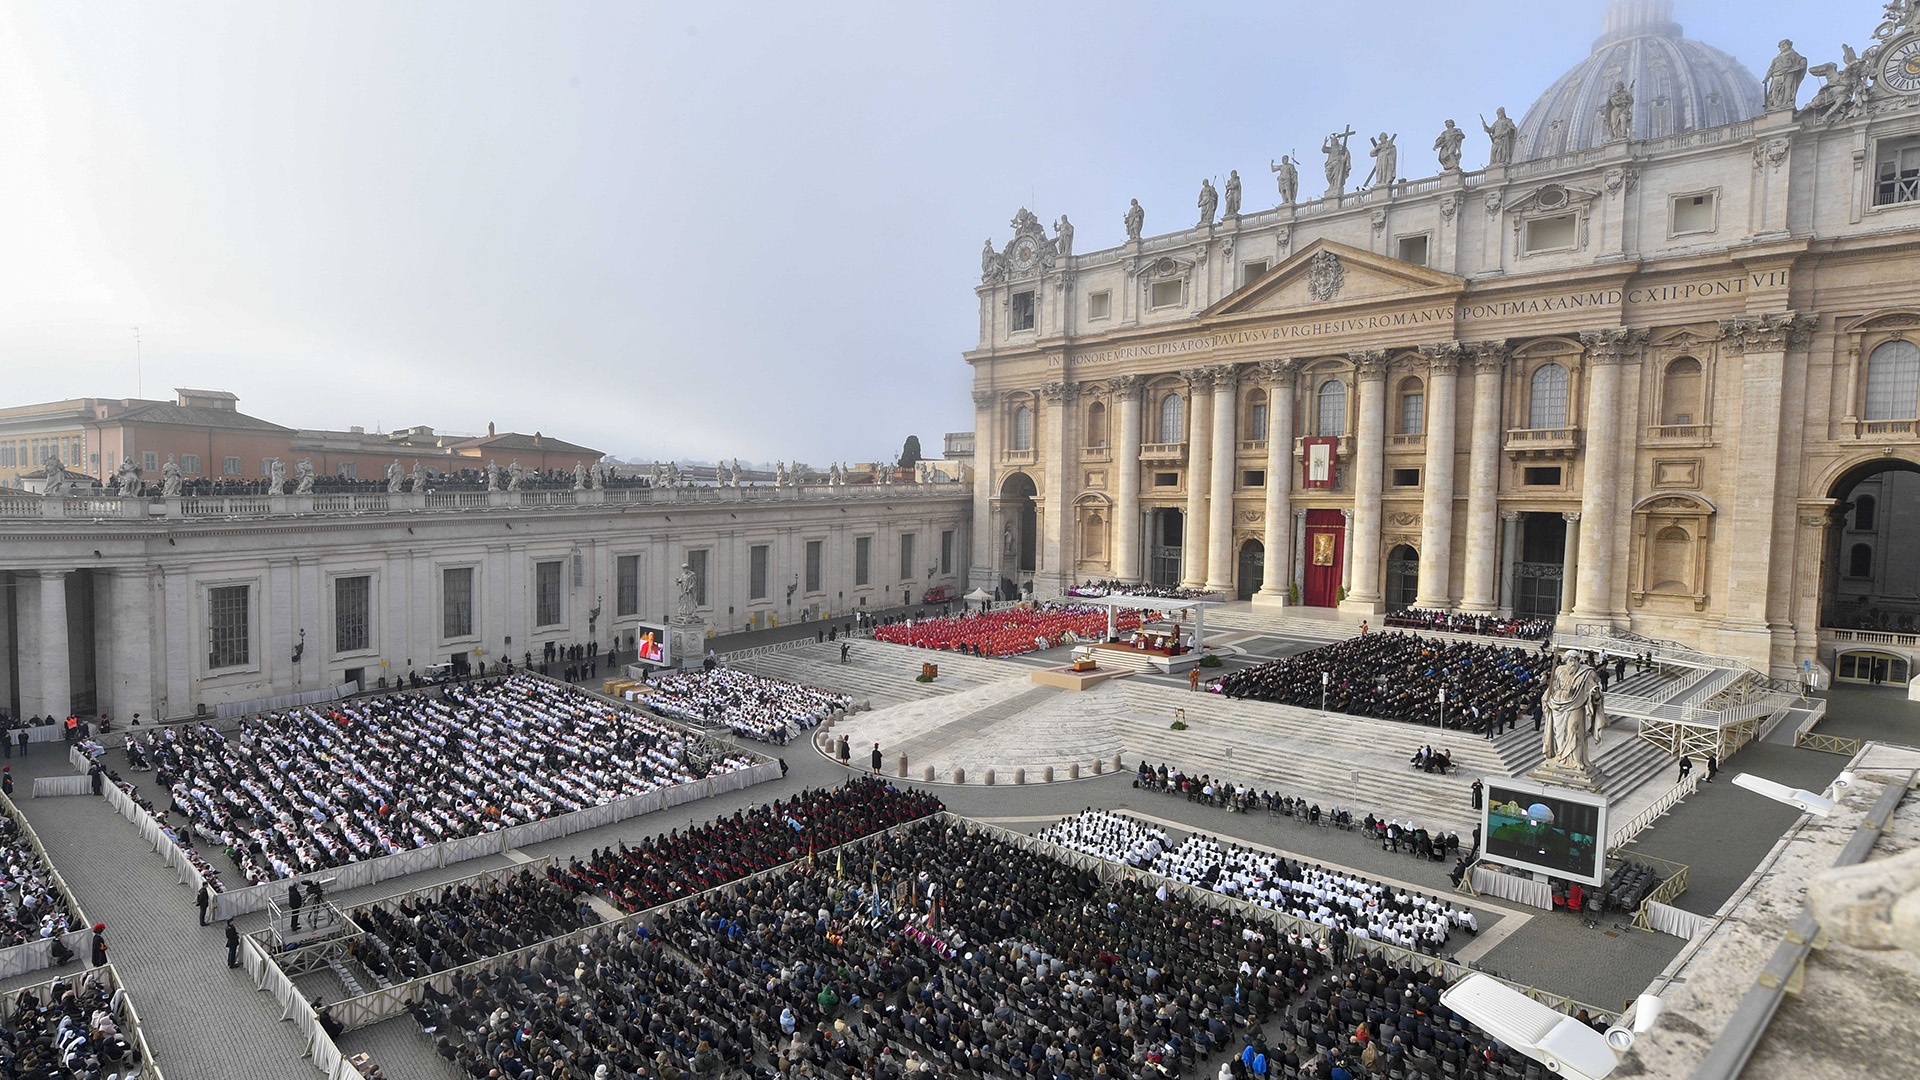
(1056, 545)
(1609, 352)
(1299, 545)
(1346, 548)
(1199, 433)
(1126, 465)
(1278, 536)
(1436, 501)
(1370, 455)
(7, 642)
(1509, 557)
(1570, 566)
(984, 549)
(1221, 564)
(1483, 477)
(54, 655)
(1762, 345)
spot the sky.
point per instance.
(684, 231)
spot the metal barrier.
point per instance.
(1826, 744)
(1645, 818)
(1669, 890)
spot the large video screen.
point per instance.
(650, 645)
(1555, 831)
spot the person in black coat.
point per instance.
(233, 945)
(293, 904)
(204, 899)
(97, 953)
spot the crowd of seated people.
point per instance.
(1399, 677)
(1107, 835)
(461, 923)
(759, 708)
(661, 869)
(1390, 833)
(946, 950)
(1461, 622)
(1010, 631)
(1091, 588)
(30, 906)
(73, 1031)
(322, 786)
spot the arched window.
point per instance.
(1097, 424)
(1022, 429)
(1257, 415)
(1173, 417)
(1864, 512)
(1547, 407)
(1860, 561)
(1893, 381)
(1680, 394)
(1413, 407)
(1331, 408)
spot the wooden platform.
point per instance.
(1068, 679)
(1127, 658)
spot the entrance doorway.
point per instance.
(1403, 577)
(1539, 571)
(1872, 667)
(1872, 577)
(1163, 555)
(1018, 534)
(1324, 558)
(1253, 568)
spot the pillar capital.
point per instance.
(1057, 393)
(1572, 516)
(1768, 333)
(1279, 370)
(1489, 357)
(983, 398)
(1223, 375)
(1198, 379)
(1444, 358)
(1125, 385)
(51, 575)
(1369, 365)
(1614, 344)
(1509, 515)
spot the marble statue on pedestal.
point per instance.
(579, 476)
(493, 476)
(303, 476)
(277, 477)
(1386, 162)
(395, 477)
(1135, 221)
(516, 476)
(1504, 133)
(417, 479)
(1209, 202)
(1574, 707)
(1617, 113)
(1233, 193)
(1339, 160)
(1447, 146)
(1063, 239)
(1784, 76)
(1287, 174)
(685, 603)
(170, 479)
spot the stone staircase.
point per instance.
(879, 672)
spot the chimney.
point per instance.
(489, 429)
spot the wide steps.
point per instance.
(878, 671)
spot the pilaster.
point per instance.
(1126, 563)
(1193, 571)
(1221, 563)
(1609, 352)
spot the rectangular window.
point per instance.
(149, 462)
(190, 464)
(1022, 314)
(1253, 478)
(862, 555)
(1258, 423)
(697, 560)
(229, 634)
(349, 470)
(351, 596)
(1413, 249)
(1166, 479)
(908, 571)
(1406, 478)
(1166, 294)
(1542, 476)
(1413, 414)
(816, 553)
(456, 602)
(1099, 306)
(546, 593)
(1551, 234)
(1694, 213)
(1897, 174)
(1250, 271)
(229, 466)
(946, 551)
(266, 466)
(757, 571)
(626, 585)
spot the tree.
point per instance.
(910, 453)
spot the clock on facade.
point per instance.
(1900, 71)
(1024, 254)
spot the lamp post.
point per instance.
(1325, 678)
(1443, 708)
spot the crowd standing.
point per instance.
(1461, 622)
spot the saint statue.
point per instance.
(394, 477)
(1136, 220)
(1504, 132)
(1573, 706)
(277, 477)
(1447, 146)
(1209, 202)
(493, 476)
(170, 479)
(686, 582)
(1784, 76)
(516, 476)
(417, 479)
(1288, 175)
(303, 476)
(1233, 193)
(1063, 242)
(579, 476)
(989, 261)
(1339, 161)
(1617, 113)
(1386, 161)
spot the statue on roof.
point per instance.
(1288, 176)
(516, 476)
(276, 477)
(170, 478)
(992, 264)
(1233, 193)
(1784, 76)
(1447, 147)
(1839, 95)
(492, 473)
(417, 479)
(1504, 133)
(1339, 160)
(126, 479)
(579, 476)
(1063, 239)
(1617, 113)
(395, 477)
(1209, 202)
(1386, 161)
(1136, 220)
(303, 476)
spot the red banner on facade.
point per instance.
(1322, 453)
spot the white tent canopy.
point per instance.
(1154, 603)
